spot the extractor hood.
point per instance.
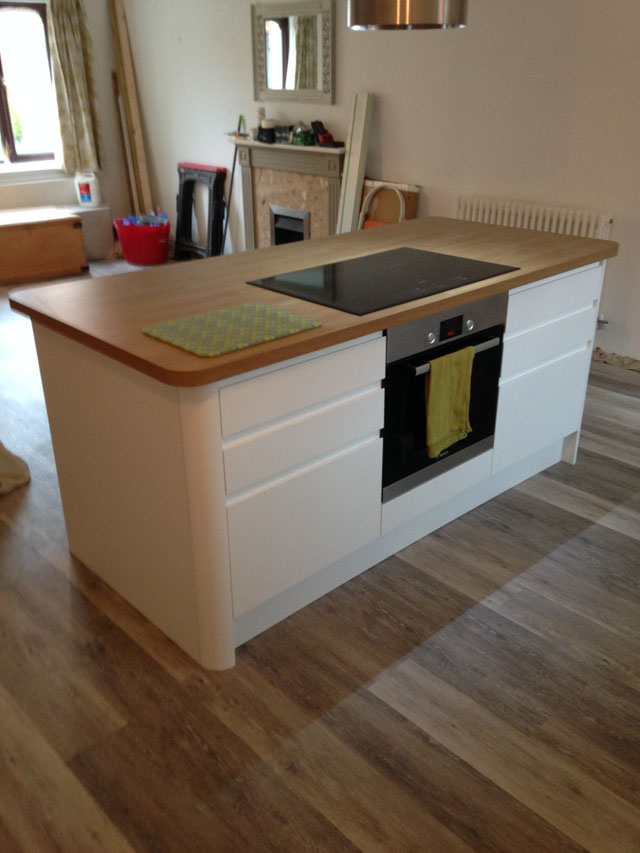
(406, 14)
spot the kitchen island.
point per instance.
(218, 495)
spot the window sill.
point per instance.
(19, 173)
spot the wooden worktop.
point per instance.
(108, 314)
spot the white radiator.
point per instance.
(538, 217)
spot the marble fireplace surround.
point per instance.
(305, 178)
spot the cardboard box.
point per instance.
(384, 207)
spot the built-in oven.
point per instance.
(411, 348)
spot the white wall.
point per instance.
(533, 100)
(536, 100)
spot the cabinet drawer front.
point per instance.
(286, 533)
(539, 408)
(281, 392)
(526, 349)
(300, 439)
(542, 303)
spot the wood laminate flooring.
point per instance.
(478, 691)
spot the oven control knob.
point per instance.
(469, 325)
(431, 338)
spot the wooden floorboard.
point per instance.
(543, 779)
(480, 690)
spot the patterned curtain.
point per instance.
(306, 53)
(70, 45)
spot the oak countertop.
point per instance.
(108, 314)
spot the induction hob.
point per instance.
(373, 282)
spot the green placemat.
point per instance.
(230, 329)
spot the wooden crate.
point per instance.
(40, 243)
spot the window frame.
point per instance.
(6, 127)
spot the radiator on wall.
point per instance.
(538, 217)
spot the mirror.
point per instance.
(293, 51)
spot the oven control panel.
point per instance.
(428, 332)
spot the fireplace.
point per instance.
(281, 176)
(288, 225)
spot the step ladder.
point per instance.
(213, 177)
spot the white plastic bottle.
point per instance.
(87, 189)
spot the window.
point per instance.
(28, 114)
(277, 46)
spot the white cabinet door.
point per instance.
(543, 302)
(545, 363)
(276, 394)
(540, 407)
(526, 350)
(300, 440)
(283, 534)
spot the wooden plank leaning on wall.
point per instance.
(135, 152)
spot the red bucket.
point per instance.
(143, 245)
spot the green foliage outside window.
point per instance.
(15, 124)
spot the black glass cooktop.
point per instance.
(373, 282)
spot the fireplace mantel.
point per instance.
(313, 172)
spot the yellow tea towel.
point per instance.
(448, 390)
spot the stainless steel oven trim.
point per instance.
(421, 369)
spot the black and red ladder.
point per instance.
(212, 177)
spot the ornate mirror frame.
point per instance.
(261, 12)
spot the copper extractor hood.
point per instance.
(406, 14)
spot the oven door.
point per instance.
(405, 459)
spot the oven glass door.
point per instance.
(405, 457)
